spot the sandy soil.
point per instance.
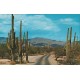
(43, 60)
(52, 60)
(46, 59)
(32, 59)
(5, 61)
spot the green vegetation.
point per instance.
(4, 53)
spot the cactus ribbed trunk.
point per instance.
(11, 40)
(75, 37)
(12, 33)
(74, 42)
(68, 44)
(16, 42)
(27, 46)
(70, 35)
(20, 43)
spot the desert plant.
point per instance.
(68, 44)
(11, 40)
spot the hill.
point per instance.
(45, 42)
(40, 42)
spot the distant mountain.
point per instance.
(2, 39)
(40, 42)
(45, 42)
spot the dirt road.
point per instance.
(48, 59)
(43, 60)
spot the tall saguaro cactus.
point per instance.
(75, 37)
(74, 42)
(11, 40)
(24, 44)
(20, 42)
(68, 44)
(70, 35)
(27, 47)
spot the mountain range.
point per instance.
(40, 42)
(45, 42)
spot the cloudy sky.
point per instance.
(52, 26)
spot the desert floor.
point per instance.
(44, 59)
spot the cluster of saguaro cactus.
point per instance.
(71, 47)
(15, 45)
(68, 44)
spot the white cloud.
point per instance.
(33, 22)
(68, 21)
(36, 22)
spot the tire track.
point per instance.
(39, 61)
(43, 60)
(46, 60)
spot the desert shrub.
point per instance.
(3, 51)
(60, 51)
(39, 50)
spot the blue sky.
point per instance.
(52, 26)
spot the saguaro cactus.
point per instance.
(20, 42)
(70, 36)
(11, 40)
(75, 37)
(16, 42)
(68, 44)
(27, 47)
(24, 44)
(74, 42)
